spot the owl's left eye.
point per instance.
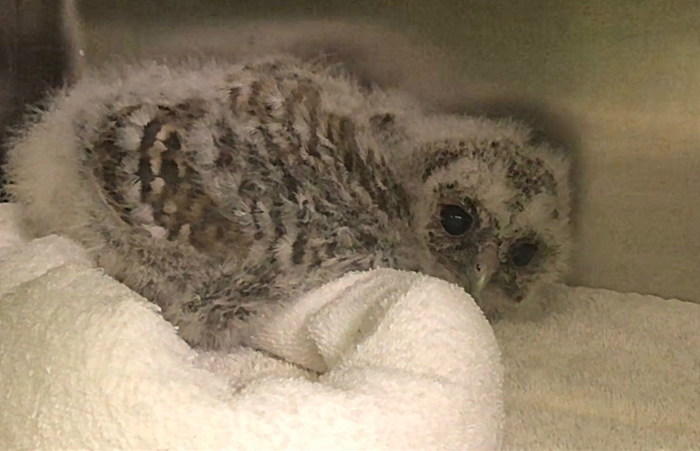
(455, 220)
(523, 253)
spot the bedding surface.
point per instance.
(600, 369)
(376, 360)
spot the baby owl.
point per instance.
(220, 191)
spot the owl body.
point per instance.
(222, 191)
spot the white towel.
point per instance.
(88, 364)
(405, 361)
(599, 369)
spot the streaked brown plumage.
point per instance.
(220, 191)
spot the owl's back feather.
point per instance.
(216, 188)
(220, 191)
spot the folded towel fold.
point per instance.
(375, 360)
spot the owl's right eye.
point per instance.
(523, 253)
(455, 220)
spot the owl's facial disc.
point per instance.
(493, 252)
(494, 214)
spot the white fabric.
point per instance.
(405, 361)
(602, 370)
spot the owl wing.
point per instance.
(149, 177)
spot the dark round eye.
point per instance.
(522, 253)
(455, 220)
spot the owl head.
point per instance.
(493, 206)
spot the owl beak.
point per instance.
(483, 269)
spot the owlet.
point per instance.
(220, 191)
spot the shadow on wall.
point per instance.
(640, 212)
(37, 56)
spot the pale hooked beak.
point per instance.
(485, 266)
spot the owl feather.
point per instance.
(223, 191)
